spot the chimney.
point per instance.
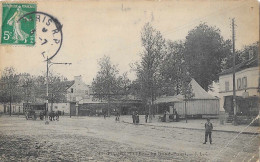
(77, 79)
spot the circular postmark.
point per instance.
(49, 33)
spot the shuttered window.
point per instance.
(244, 82)
(226, 86)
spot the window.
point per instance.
(71, 90)
(239, 83)
(226, 86)
(244, 82)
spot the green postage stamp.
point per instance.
(15, 30)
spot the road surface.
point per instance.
(99, 139)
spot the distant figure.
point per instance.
(146, 117)
(117, 117)
(208, 130)
(133, 116)
(175, 115)
(164, 116)
(104, 115)
(137, 117)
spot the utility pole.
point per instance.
(234, 72)
(185, 104)
(49, 63)
(10, 102)
(47, 89)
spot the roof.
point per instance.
(68, 84)
(244, 65)
(168, 99)
(198, 91)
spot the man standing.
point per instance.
(136, 118)
(105, 115)
(133, 116)
(146, 117)
(208, 130)
(117, 117)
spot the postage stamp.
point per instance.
(16, 31)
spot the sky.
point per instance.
(92, 29)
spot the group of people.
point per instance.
(135, 117)
(117, 117)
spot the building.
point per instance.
(125, 106)
(17, 108)
(82, 103)
(247, 88)
(2, 108)
(64, 108)
(78, 91)
(202, 103)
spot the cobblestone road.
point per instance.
(97, 139)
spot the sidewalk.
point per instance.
(196, 124)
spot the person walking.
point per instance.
(104, 115)
(208, 130)
(117, 117)
(137, 117)
(146, 117)
(133, 116)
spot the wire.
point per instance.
(186, 25)
(235, 137)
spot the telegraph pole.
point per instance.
(49, 63)
(10, 102)
(234, 72)
(47, 89)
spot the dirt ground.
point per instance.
(99, 139)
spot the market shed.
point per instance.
(202, 103)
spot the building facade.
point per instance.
(202, 103)
(247, 88)
(64, 108)
(78, 91)
(16, 108)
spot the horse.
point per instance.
(54, 115)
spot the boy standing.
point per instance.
(208, 130)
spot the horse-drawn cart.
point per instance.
(34, 111)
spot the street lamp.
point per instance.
(49, 64)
